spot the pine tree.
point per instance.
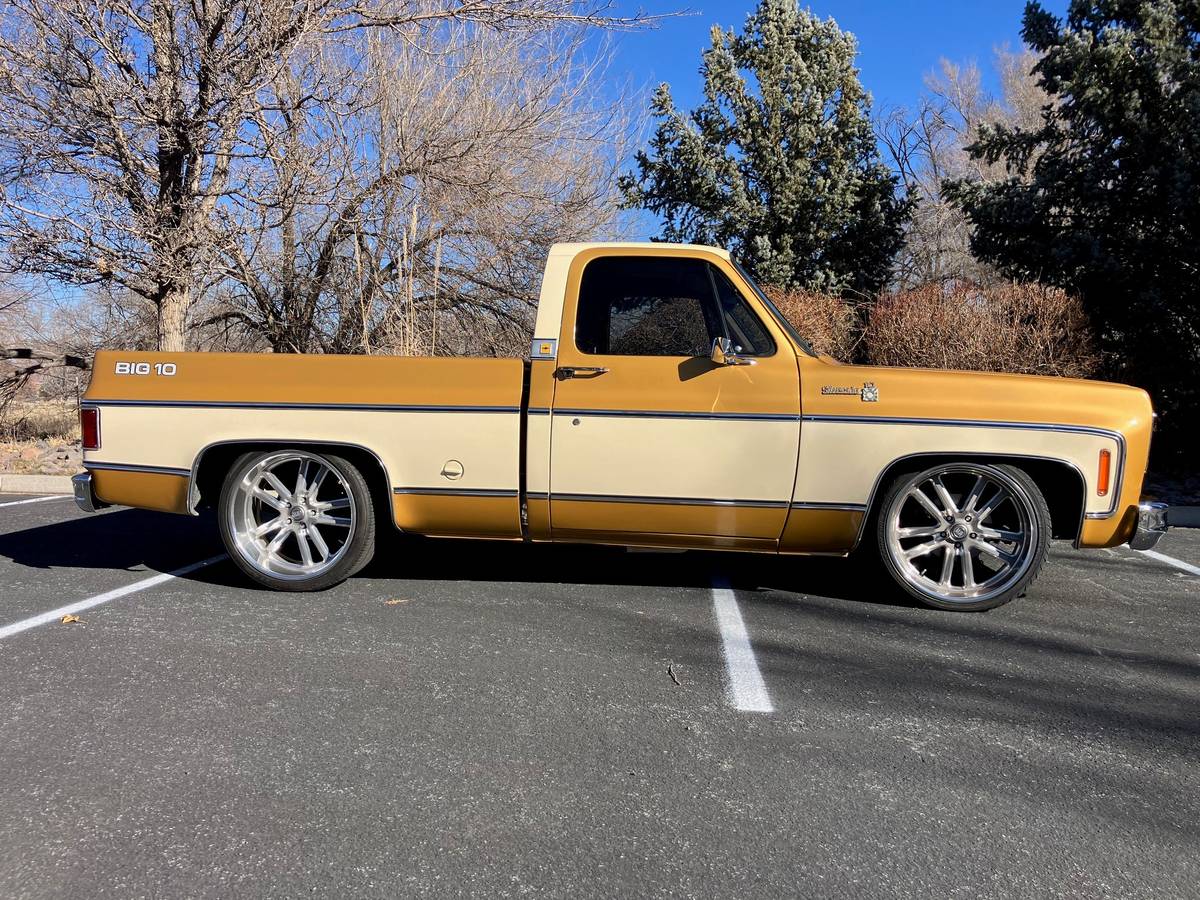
(1109, 202)
(779, 163)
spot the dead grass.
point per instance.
(31, 420)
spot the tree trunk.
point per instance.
(172, 318)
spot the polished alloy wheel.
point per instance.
(293, 515)
(961, 534)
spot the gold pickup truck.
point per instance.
(665, 403)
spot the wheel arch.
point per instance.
(1066, 497)
(214, 461)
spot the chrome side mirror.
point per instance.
(724, 353)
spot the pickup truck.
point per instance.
(665, 403)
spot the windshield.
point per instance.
(775, 313)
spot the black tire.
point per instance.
(1024, 507)
(350, 556)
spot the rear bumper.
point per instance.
(1151, 525)
(85, 493)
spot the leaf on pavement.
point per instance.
(70, 620)
(395, 601)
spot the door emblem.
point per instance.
(868, 392)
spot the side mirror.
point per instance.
(724, 353)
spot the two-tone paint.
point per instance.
(661, 451)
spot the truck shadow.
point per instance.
(132, 540)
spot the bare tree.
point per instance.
(927, 146)
(411, 213)
(125, 124)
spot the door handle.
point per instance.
(562, 373)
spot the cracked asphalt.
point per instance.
(509, 726)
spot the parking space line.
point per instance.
(747, 690)
(37, 500)
(1171, 561)
(79, 606)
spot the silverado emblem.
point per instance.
(868, 392)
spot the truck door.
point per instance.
(650, 436)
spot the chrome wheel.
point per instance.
(292, 515)
(962, 534)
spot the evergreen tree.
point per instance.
(779, 163)
(1105, 194)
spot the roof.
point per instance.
(573, 249)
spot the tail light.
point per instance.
(89, 426)
(1103, 473)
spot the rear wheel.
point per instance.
(964, 536)
(295, 520)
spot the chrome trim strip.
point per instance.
(130, 467)
(456, 492)
(537, 411)
(1115, 436)
(670, 414)
(537, 495)
(351, 407)
(668, 501)
(850, 507)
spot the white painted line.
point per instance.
(55, 614)
(37, 500)
(746, 688)
(1171, 561)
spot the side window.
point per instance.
(742, 325)
(661, 306)
(645, 306)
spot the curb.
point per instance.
(35, 484)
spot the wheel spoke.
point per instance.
(947, 566)
(990, 507)
(1000, 534)
(336, 521)
(930, 507)
(306, 556)
(267, 527)
(968, 566)
(273, 548)
(273, 480)
(974, 494)
(948, 506)
(318, 478)
(314, 535)
(918, 531)
(301, 481)
(273, 502)
(921, 550)
(328, 505)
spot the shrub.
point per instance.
(829, 323)
(1028, 328)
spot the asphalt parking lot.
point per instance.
(499, 719)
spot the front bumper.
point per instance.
(85, 493)
(1151, 525)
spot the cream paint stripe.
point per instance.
(1171, 561)
(36, 500)
(747, 690)
(79, 606)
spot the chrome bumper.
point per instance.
(85, 496)
(1151, 525)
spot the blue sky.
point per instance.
(898, 40)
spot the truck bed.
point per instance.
(446, 432)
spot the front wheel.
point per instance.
(297, 521)
(964, 536)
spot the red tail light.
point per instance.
(1103, 473)
(89, 425)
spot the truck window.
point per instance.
(661, 306)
